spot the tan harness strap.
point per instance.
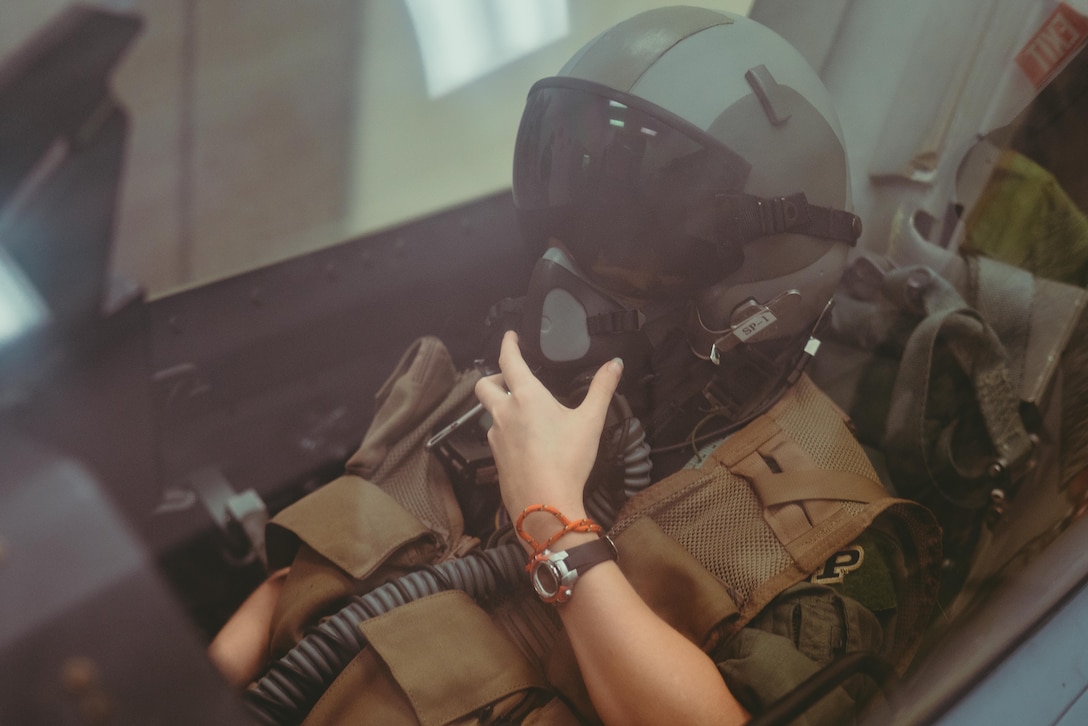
(818, 484)
(788, 521)
(787, 454)
(790, 457)
(742, 443)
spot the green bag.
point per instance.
(950, 386)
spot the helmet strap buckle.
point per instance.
(780, 214)
(743, 218)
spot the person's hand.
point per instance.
(544, 451)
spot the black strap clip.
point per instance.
(780, 214)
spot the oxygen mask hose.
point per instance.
(632, 456)
(296, 681)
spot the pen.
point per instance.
(453, 426)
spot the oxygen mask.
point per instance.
(570, 326)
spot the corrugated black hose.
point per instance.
(296, 681)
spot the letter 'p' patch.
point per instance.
(838, 564)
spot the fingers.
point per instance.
(514, 368)
(490, 390)
(603, 386)
(516, 373)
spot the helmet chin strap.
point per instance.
(735, 219)
(745, 217)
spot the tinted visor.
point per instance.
(626, 186)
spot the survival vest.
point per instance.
(707, 548)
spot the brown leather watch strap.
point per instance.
(588, 554)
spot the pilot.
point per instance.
(684, 182)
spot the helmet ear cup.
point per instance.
(731, 257)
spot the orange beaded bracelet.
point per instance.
(579, 525)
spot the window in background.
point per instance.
(460, 42)
(21, 309)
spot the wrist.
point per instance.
(568, 541)
(554, 574)
(541, 527)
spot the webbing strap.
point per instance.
(742, 443)
(792, 486)
(788, 521)
(796, 495)
(787, 455)
(980, 354)
(745, 217)
(1003, 295)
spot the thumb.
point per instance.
(602, 387)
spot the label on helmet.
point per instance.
(754, 325)
(1053, 44)
(741, 332)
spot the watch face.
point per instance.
(545, 580)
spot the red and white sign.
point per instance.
(1053, 44)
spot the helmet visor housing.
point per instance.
(625, 186)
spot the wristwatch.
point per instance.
(553, 575)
